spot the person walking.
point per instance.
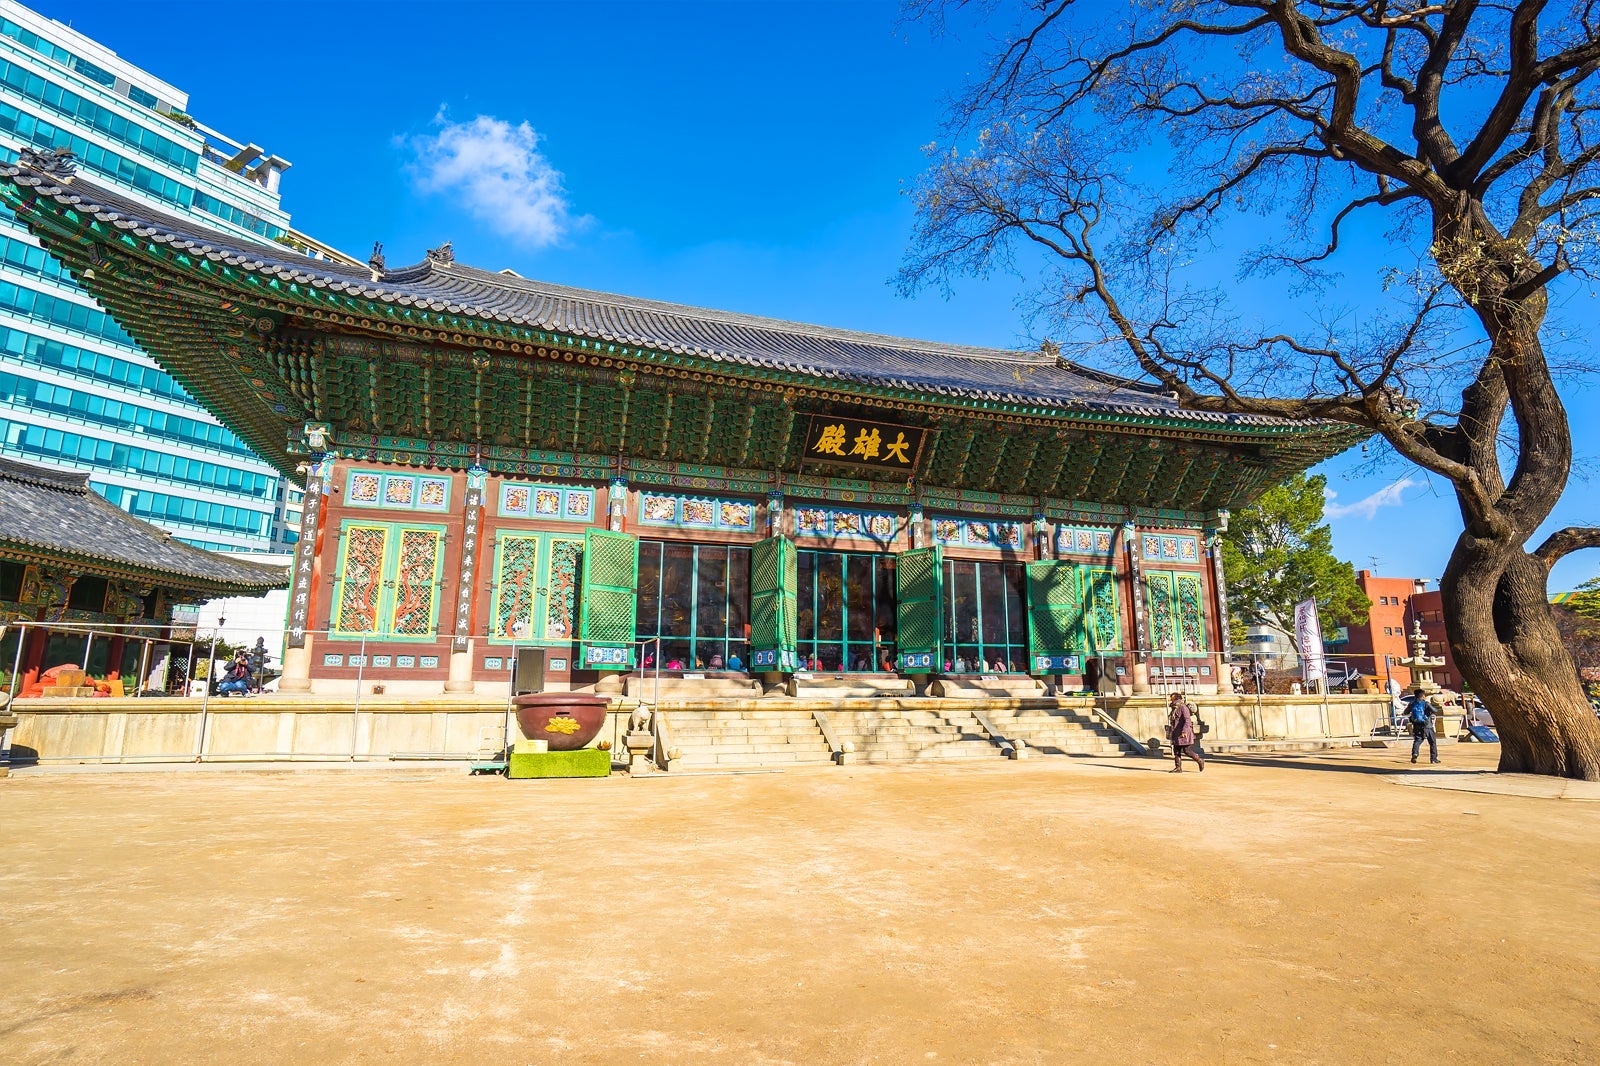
(1258, 674)
(1420, 715)
(1180, 723)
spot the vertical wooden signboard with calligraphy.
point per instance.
(472, 526)
(305, 561)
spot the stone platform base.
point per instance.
(716, 686)
(585, 762)
(1010, 687)
(848, 686)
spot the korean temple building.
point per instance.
(75, 565)
(495, 462)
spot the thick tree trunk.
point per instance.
(1506, 644)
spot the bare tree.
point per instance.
(1467, 129)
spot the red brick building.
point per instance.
(1376, 647)
(1429, 607)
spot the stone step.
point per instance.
(897, 729)
(754, 730)
(746, 749)
(1055, 731)
(973, 751)
(738, 716)
(917, 744)
(753, 759)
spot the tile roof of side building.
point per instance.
(438, 283)
(56, 513)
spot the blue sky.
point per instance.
(747, 156)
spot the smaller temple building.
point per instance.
(94, 585)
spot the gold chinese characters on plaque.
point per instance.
(876, 444)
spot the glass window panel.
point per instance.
(739, 596)
(806, 593)
(1016, 599)
(830, 598)
(711, 612)
(992, 606)
(649, 602)
(886, 601)
(964, 602)
(859, 596)
(677, 591)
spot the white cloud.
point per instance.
(1367, 507)
(497, 173)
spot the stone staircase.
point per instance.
(766, 733)
(736, 739)
(1060, 731)
(913, 735)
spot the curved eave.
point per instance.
(116, 569)
(269, 284)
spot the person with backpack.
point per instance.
(1182, 733)
(1420, 715)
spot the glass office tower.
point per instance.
(75, 391)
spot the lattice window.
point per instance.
(388, 581)
(516, 575)
(1103, 619)
(1191, 614)
(1163, 622)
(561, 596)
(918, 581)
(1056, 609)
(416, 583)
(361, 570)
(1177, 612)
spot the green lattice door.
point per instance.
(1101, 618)
(608, 602)
(535, 588)
(774, 616)
(1055, 617)
(919, 609)
(389, 579)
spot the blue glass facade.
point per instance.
(75, 390)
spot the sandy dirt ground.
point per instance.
(1293, 909)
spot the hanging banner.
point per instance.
(1308, 640)
(880, 445)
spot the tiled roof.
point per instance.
(55, 512)
(438, 283)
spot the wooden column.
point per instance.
(1219, 587)
(114, 652)
(32, 657)
(1140, 644)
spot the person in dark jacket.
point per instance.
(1420, 715)
(237, 679)
(1181, 732)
